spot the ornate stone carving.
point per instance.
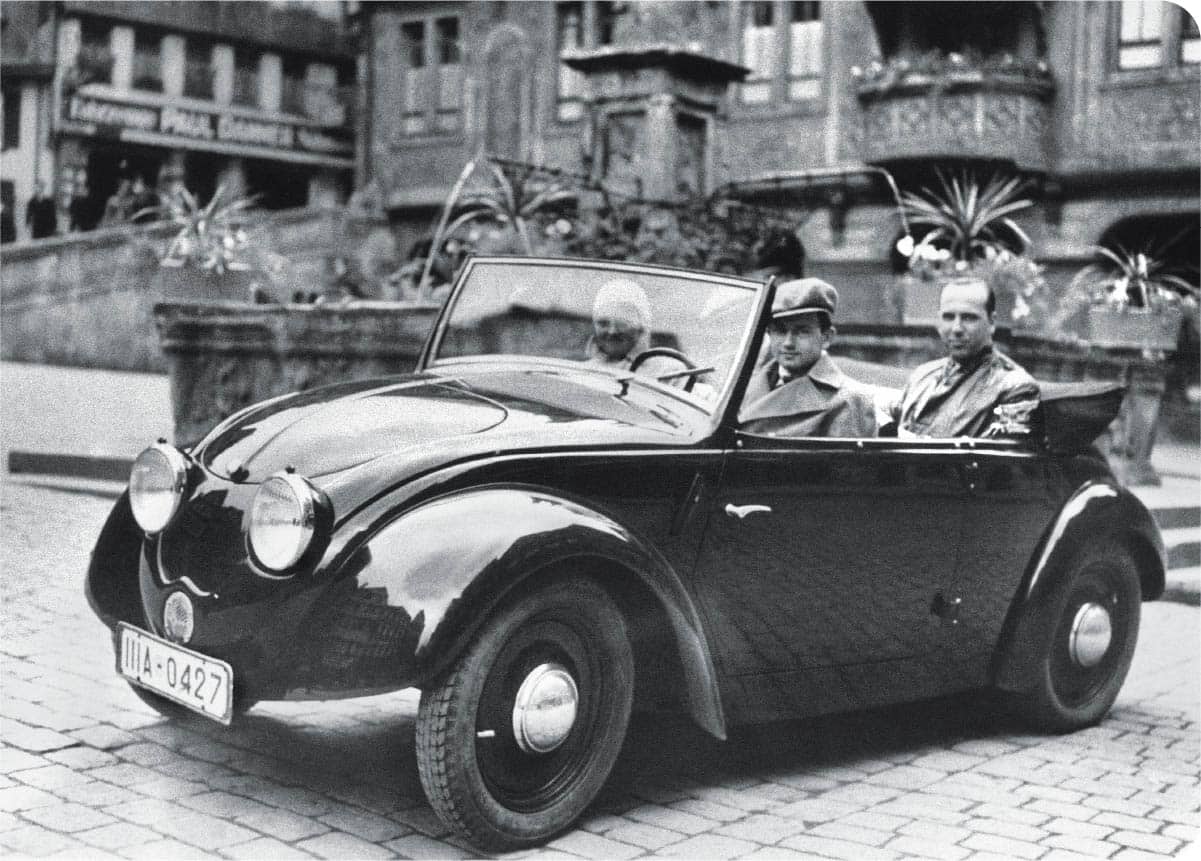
(979, 117)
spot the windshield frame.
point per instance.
(716, 408)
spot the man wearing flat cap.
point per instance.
(800, 391)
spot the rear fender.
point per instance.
(1097, 509)
(449, 562)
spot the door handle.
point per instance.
(741, 511)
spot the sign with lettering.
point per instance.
(204, 125)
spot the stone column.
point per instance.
(121, 44)
(653, 109)
(223, 74)
(173, 57)
(271, 74)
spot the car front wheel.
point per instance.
(1084, 662)
(520, 736)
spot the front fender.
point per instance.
(445, 565)
(1097, 508)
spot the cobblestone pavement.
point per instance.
(86, 770)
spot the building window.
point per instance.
(12, 117)
(782, 36)
(1152, 34)
(292, 97)
(450, 73)
(759, 51)
(431, 56)
(579, 25)
(1190, 38)
(147, 62)
(805, 50)
(246, 78)
(94, 63)
(198, 69)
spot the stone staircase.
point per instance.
(1177, 509)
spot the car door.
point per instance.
(826, 554)
(1013, 497)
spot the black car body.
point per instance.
(459, 509)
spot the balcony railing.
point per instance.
(198, 80)
(953, 108)
(147, 72)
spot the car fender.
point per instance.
(111, 585)
(448, 562)
(1097, 508)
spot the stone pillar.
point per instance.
(1134, 439)
(223, 74)
(120, 42)
(271, 83)
(653, 111)
(174, 59)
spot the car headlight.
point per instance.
(156, 486)
(282, 520)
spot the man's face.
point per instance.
(614, 336)
(964, 324)
(797, 343)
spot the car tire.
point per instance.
(1094, 612)
(501, 760)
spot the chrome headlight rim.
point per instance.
(178, 466)
(307, 500)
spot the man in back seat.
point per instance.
(974, 391)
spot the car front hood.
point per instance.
(336, 428)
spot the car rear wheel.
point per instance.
(520, 736)
(1095, 613)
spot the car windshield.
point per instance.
(604, 316)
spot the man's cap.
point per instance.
(804, 296)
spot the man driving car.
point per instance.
(800, 391)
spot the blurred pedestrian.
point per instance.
(118, 207)
(144, 199)
(41, 214)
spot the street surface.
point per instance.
(86, 770)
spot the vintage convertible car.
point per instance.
(541, 542)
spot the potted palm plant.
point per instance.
(1132, 301)
(211, 250)
(968, 229)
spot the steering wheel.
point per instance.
(671, 353)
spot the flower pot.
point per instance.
(1134, 328)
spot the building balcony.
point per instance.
(952, 109)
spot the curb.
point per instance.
(71, 465)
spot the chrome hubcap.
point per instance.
(1092, 632)
(545, 708)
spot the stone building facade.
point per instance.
(1095, 102)
(256, 96)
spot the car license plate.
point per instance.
(201, 683)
